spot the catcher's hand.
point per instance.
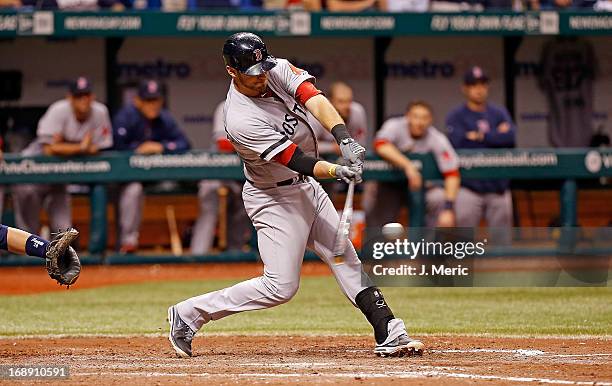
(63, 264)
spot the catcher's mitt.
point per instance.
(63, 263)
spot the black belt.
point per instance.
(290, 181)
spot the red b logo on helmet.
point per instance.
(258, 55)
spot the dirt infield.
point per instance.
(29, 280)
(308, 360)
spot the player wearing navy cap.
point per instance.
(144, 127)
(478, 124)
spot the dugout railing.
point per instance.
(566, 165)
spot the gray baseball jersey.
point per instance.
(261, 128)
(60, 120)
(288, 218)
(395, 131)
(356, 125)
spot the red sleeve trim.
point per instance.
(305, 91)
(224, 145)
(285, 156)
(451, 173)
(379, 142)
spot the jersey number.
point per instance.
(290, 124)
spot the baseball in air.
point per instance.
(393, 230)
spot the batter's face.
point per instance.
(149, 108)
(342, 98)
(419, 119)
(476, 93)
(81, 105)
(249, 85)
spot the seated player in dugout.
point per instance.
(144, 127)
(74, 126)
(341, 97)
(414, 133)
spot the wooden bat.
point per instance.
(223, 192)
(175, 241)
(344, 228)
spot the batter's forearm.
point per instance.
(324, 170)
(324, 111)
(451, 187)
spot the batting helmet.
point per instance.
(247, 53)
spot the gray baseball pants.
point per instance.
(131, 201)
(29, 199)
(288, 219)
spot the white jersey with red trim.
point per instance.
(262, 127)
(395, 131)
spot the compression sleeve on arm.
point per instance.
(294, 158)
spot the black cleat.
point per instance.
(180, 335)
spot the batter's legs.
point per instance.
(283, 219)
(349, 274)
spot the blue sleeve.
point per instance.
(121, 132)
(496, 139)
(3, 237)
(175, 139)
(455, 129)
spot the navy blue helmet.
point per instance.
(247, 53)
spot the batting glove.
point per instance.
(348, 174)
(352, 152)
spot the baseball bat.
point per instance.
(343, 231)
(175, 240)
(223, 192)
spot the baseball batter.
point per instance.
(270, 110)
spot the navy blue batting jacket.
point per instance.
(462, 120)
(131, 128)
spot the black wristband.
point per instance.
(449, 205)
(340, 132)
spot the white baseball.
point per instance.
(393, 230)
